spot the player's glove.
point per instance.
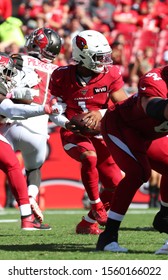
(55, 107)
(23, 93)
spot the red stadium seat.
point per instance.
(144, 39)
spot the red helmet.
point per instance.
(44, 43)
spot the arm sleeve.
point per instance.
(20, 111)
(59, 120)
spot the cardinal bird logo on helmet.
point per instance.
(41, 39)
(81, 43)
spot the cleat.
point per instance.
(163, 250)
(160, 223)
(114, 247)
(85, 227)
(104, 244)
(36, 209)
(31, 223)
(100, 215)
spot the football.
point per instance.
(84, 130)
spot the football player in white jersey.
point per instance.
(9, 163)
(30, 135)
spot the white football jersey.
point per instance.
(37, 74)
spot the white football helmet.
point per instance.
(91, 49)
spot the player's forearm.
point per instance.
(20, 111)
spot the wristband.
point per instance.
(9, 95)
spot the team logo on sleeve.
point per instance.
(81, 43)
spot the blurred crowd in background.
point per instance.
(136, 30)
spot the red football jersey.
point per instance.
(92, 96)
(154, 83)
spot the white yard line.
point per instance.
(8, 221)
(81, 212)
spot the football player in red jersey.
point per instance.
(135, 132)
(30, 135)
(87, 86)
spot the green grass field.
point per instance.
(62, 243)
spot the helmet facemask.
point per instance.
(99, 62)
(46, 56)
